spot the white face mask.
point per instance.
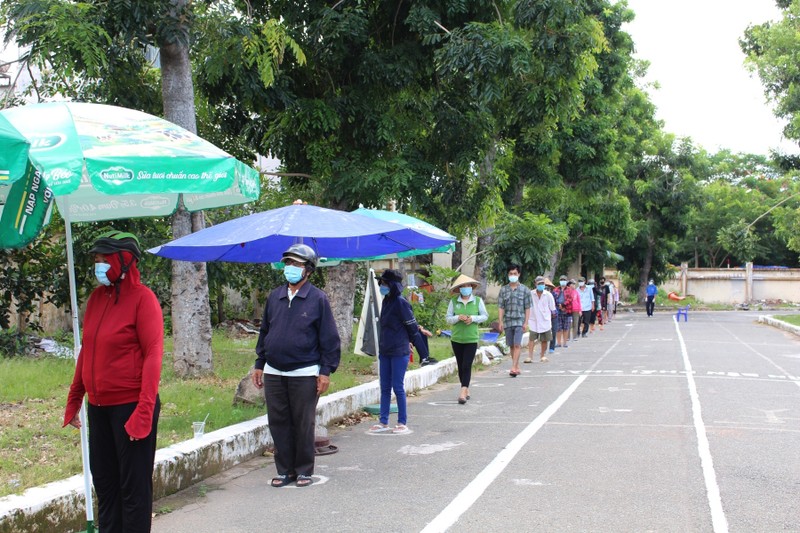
(101, 273)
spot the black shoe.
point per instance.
(428, 361)
(584, 335)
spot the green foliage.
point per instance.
(431, 311)
(772, 50)
(739, 240)
(529, 241)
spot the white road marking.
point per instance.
(467, 497)
(464, 500)
(427, 449)
(528, 482)
(719, 522)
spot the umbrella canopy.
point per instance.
(415, 224)
(263, 237)
(25, 202)
(103, 162)
(106, 162)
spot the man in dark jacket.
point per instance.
(399, 329)
(297, 350)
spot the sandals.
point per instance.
(281, 480)
(380, 428)
(304, 481)
(528, 360)
(514, 373)
(399, 429)
(462, 401)
(544, 359)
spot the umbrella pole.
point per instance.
(76, 332)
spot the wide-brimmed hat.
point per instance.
(548, 282)
(463, 280)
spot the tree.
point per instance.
(99, 51)
(662, 190)
(772, 49)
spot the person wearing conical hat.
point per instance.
(464, 312)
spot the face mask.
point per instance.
(100, 271)
(581, 284)
(563, 283)
(465, 291)
(513, 279)
(384, 290)
(293, 274)
(540, 287)
(651, 283)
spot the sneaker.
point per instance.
(552, 350)
(584, 335)
(428, 361)
(558, 346)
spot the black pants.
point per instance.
(292, 409)
(122, 470)
(650, 305)
(586, 318)
(465, 355)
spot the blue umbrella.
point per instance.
(414, 223)
(263, 237)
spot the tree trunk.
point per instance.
(551, 270)
(455, 258)
(481, 270)
(341, 288)
(191, 313)
(220, 306)
(644, 274)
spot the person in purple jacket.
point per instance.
(398, 330)
(298, 348)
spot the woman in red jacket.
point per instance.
(119, 368)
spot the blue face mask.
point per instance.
(563, 283)
(540, 287)
(513, 279)
(100, 272)
(465, 291)
(384, 290)
(293, 274)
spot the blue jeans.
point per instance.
(392, 378)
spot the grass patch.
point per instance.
(35, 449)
(791, 319)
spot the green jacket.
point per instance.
(466, 333)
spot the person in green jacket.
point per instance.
(464, 312)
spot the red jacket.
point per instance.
(121, 352)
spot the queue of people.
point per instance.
(552, 316)
(298, 348)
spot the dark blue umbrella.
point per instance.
(263, 237)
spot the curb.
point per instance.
(780, 324)
(59, 506)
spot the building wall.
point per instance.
(737, 285)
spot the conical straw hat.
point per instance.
(463, 280)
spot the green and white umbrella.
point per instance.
(102, 162)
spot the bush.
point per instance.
(430, 312)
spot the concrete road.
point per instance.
(646, 426)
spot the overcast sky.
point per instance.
(706, 93)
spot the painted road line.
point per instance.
(718, 520)
(467, 497)
(764, 357)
